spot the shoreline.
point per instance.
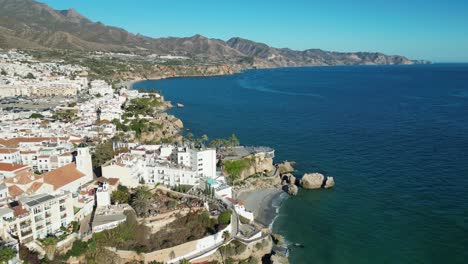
(129, 83)
(262, 203)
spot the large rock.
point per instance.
(288, 178)
(286, 167)
(312, 180)
(259, 163)
(292, 189)
(330, 182)
(277, 259)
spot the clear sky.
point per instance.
(436, 30)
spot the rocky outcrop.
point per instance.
(316, 181)
(312, 180)
(288, 178)
(330, 182)
(286, 167)
(258, 163)
(292, 189)
(277, 259)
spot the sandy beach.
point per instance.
(260, 202)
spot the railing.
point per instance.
(26, 233)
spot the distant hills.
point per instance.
(27, 24)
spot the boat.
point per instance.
(179, 105)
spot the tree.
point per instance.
(204, 139)
(234, 142)
(225, 217)
(4, 72)
(190, 136)
(141, 201)
(120, 197)
(103, 153)
(6, 253)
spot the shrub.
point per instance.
(6, 253)
(79, 248)
(225, 217)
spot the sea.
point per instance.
(395, 138)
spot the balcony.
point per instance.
(63, 215)
(39, 227)
(62, 209)
(38, 218)
(62, 201)
(47, 215)
(26, 233)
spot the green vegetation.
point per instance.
(141, 201)
(225, 218)
(235, 167)
(50, 240)
(182, 188)
(103, 153)
(121, 195)
(261, 245)
(6, 253)
(219, 143)
(66, 116)
(36, 116)
(143, 106)
(79, 247)
(136, 107)
(3, 72)
(232, 249)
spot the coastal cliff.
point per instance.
(241, 169)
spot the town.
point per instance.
(93, 172)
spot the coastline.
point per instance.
(263, 203)
(128, 84)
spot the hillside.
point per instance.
(32, 25)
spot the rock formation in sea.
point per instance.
(292, 189)
(312, 180)
(330, 182)
(288, 178)
(316, 181)
(286, 167)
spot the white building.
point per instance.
(37, 216)
(100, 87)
(168, 165)
(103, 195)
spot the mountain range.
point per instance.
(28, 24)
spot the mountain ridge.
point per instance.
(34, 25)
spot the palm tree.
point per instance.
(141, 201)
(204, 139)
(234, 141)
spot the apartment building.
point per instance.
(35, 217)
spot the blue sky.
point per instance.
(436, 30)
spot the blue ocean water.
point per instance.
(394, 137)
